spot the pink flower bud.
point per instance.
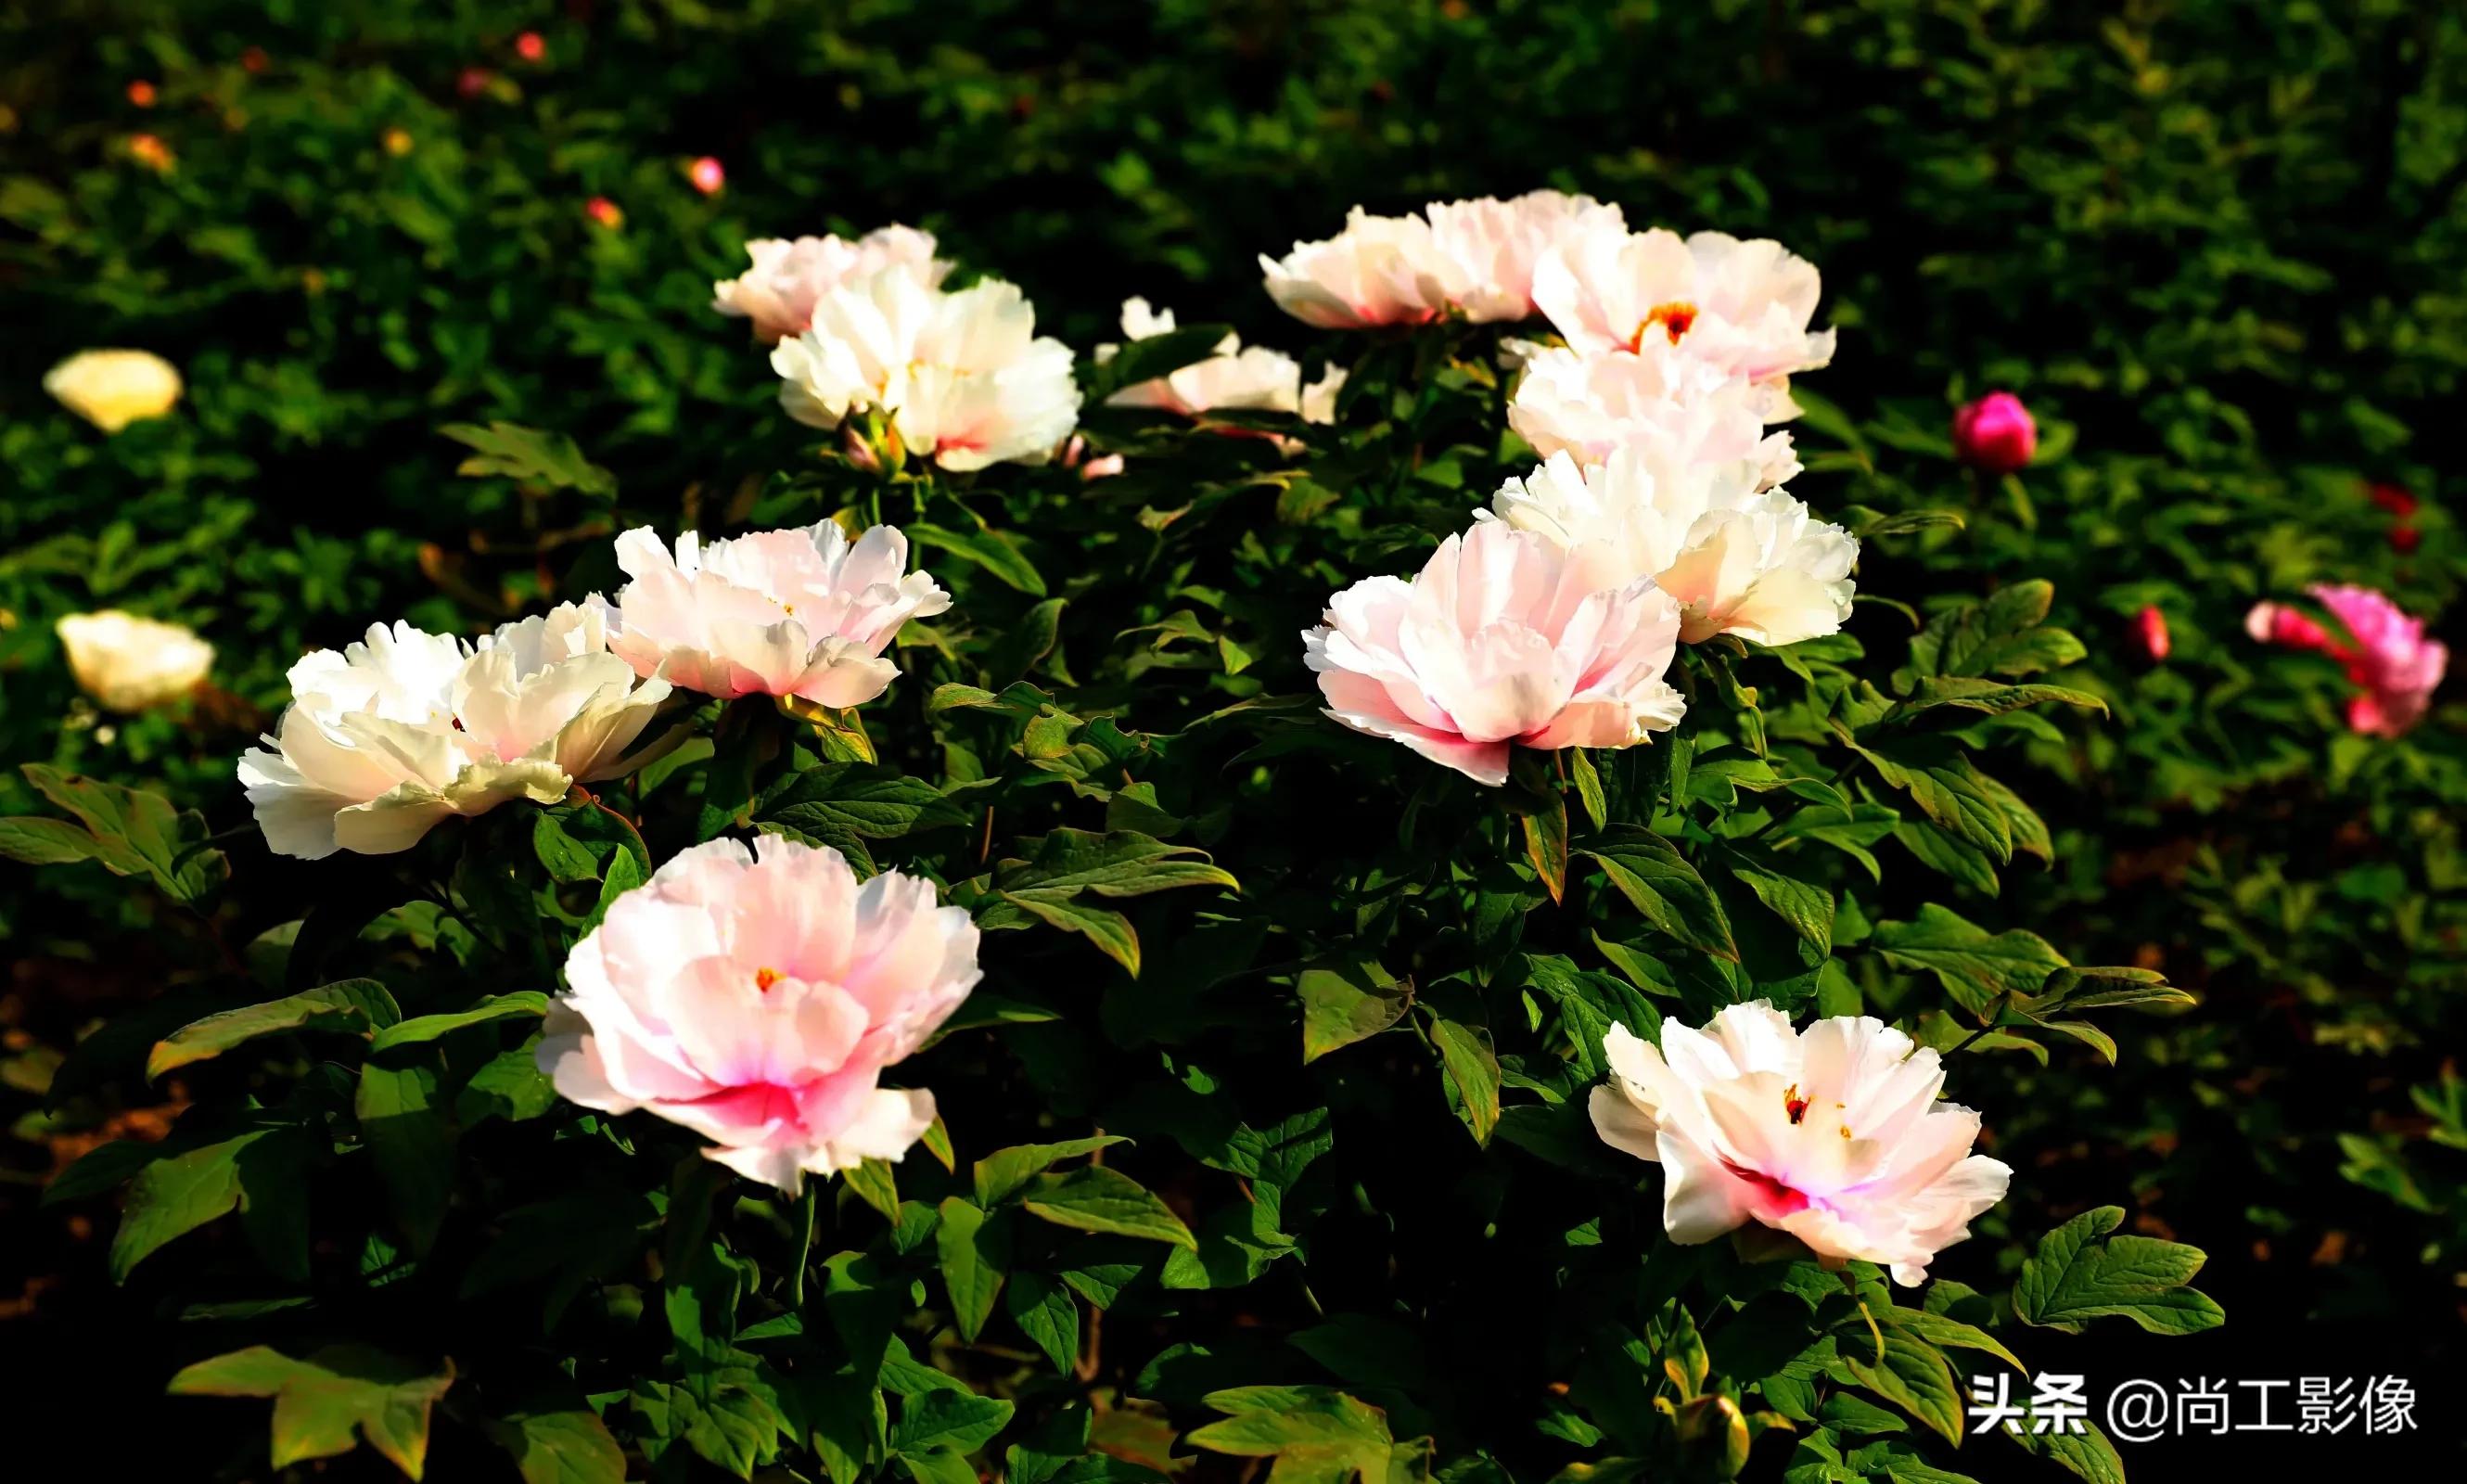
(2275, 623)
(530, 47)
(2404, 539)
(605, 212)
(707, 175)
(1104, 467)
(2150, 633)
(860, 452)
(1995, 434)
(472, 82)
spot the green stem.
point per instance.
(808, 1200)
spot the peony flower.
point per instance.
(387, 739)
(130, 663)
(1496, 244)
(1318, 399)
(2150, 634)
(1739, 558)
(112, 389)
(754, 996)
(1741, 307)
(801, 612)
(1590, 407)
(1833, 1135)
(2397, 666)
(778, 294)
(963, 376)
(1995, 435)
(1504, 638)
(1232, 379)
(1379, 270)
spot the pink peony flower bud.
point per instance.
(2150, 633)
(755, 997)
(1995, 434)
(1103, 467)
(530, 47)
(2275, 623)
(858, 452)
(707, 175)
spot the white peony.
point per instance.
(1591, 406)
(130, 663)
(1742, 307)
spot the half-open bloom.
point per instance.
(130, 663)
(1739, 558)
(1494, 245)
(778, 292)
(1743, 306)
(1834, 1135)
(756, 996)
(802, 611)
(1591, 406)
(1235, 377)
(388, 738)
(1379, 270)
(112, 389)
(2390, 658)
(1503, 639)
(965, 377)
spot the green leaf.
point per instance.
(529, 455)
(956, 1420)
(2080, 1272)
(355, 1007)
(1471, 1072)
(134, 833)
(1807, 909)
(1106, 928)
(1649, 871)
(1004, 1173)
(1317, 1435)
(1094, 1197)
(1974, 965)
(1913, 1375)
(1156, 356)
(1350, 1002)
(876, 1183)
(974, 1251)
(319, 1403)
(1119, 863)
(1044, 1312)
(839, 803)
(992, 550)
(563, 1445)
(407, 1132)
(511, 1006)
(39, 841)
(1589, 786)
(1940, 1331)
(174, 1196)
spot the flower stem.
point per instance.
(808, 1200)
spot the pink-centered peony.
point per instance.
(778, 292)
(1503, 639)
(1834, 1135)
(1379, 270)
(756, 996)
(1591, 406)
(1494, 245)
(803, 612)
(2397, 666)
(1741, 307)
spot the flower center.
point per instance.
(1676, 318)
(764, 978)
(1792, 1103)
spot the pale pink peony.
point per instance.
(1741, 307)
(1834, 1136)
(1996, 434)
(1495, 245)
(754, 996)
(1591, 406)
(1379, 270)
(801, 612)
(787, 278)
(1504, 638)
(1255, 378)
(2397, 666)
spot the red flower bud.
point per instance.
(2393, 498)
(530, 47)
(707, 175)
(604, 211)
(2150, 633)
(1995, 434)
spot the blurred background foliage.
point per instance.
(2216, 244)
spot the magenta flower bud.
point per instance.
(2150, 634)
(1995, 434)
(707, 175)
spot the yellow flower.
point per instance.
(112, 389)
(130, 663)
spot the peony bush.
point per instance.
(1069, 938)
